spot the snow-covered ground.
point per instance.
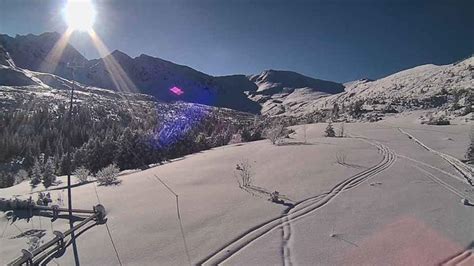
(390, 202)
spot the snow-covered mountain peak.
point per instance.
(279, 81)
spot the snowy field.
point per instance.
(389, 202)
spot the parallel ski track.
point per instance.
(298, 211)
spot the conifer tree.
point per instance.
(470, 149)
(330, 131)
(36, 174)
(48, 174)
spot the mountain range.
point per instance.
(272, 92)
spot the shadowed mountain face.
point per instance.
(31, 52)
(157, 77)
(9, 75)
(4, 57)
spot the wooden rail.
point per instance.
(35, 256)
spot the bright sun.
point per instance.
(79, 14)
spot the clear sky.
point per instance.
(339, 40)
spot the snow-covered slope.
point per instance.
(279, 92)
(420, 87)
(372, 208)
(277, 81)
(420, 80)
(11, 75)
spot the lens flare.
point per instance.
(176, 90)
(79, 14)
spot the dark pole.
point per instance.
(69, 169)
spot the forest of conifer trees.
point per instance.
(129, 136)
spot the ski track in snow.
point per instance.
(300, 211)
(435, 178)
(464, 169)
(464, 258)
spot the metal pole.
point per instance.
(69, 168)
(69, 193)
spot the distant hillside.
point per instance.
(449, 89)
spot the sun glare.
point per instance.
(79, 14)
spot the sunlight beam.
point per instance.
(118, 76)
(53, 57)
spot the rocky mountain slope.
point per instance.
(449, 89)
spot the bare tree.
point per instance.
(304, 128)
(341, 158)
(245, 174)
(276, 133)
(341, 133)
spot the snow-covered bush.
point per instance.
(82, 174)
(275, 197)
(248, 134)
(44, 199)
(329, 132)
(438, 120)
(33, 242)
(236, 138)
(108, 175)
(20, 176)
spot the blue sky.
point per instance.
(338, 40)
